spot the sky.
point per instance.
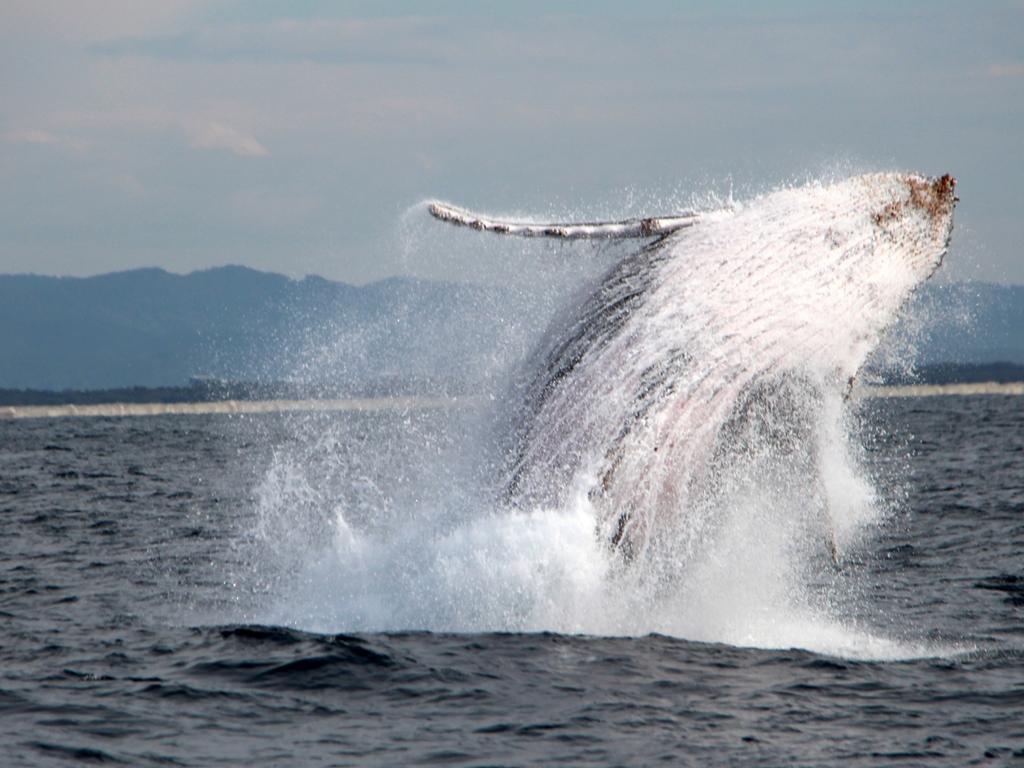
(294, 137)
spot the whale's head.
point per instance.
(902, 224)
(915, 216)
(832, 265)
(877, 227)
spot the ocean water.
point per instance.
(333, 589)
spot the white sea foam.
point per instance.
(546, 571)
(363, 538)
(370, 559)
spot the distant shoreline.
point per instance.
(963, 389)
(216, 391)
(402, 403)
(353, 404)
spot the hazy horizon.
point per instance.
(941, 277)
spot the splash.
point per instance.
(721, 341)
(679, 462)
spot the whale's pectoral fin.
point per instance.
(833, 548)
(831, 539)
(598, 230)
(830, 522)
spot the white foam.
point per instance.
(546, 570)
(743, 556)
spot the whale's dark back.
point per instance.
(600, 318)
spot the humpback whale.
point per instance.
(717, 339)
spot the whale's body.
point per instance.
(692, 347)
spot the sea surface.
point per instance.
(265, 589)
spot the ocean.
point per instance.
(333, 589)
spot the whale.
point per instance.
(715, 342)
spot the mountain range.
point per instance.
(149, 327)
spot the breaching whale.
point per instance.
(717, 337)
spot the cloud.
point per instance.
(96, 20)
(36, 136)
(215, 135)
(1007, 69)
(342, 40)
(425, 40)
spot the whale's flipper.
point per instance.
(600, 230)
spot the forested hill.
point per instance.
(152, 328)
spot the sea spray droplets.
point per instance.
(425, 562)
(776, 304)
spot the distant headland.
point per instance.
(234, 333)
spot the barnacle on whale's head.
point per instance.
(919, 217)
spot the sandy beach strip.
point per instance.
(233, 406)
(415, 403)
(939, 390)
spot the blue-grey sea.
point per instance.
(262, 590)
